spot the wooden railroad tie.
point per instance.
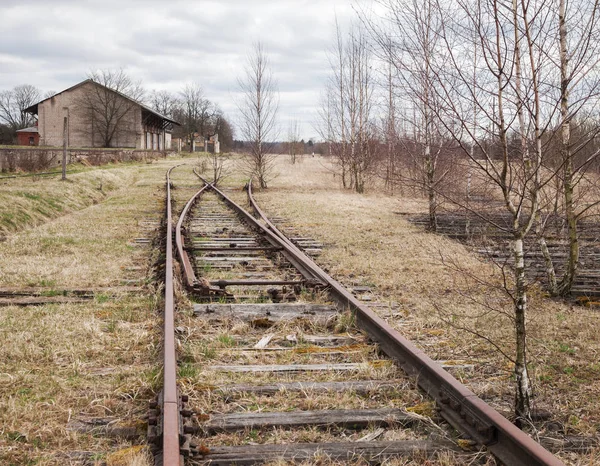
(271, 312)
(348, 418)
(373, 452)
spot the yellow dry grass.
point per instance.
(28, 202)
(99, 359)
(432, 280)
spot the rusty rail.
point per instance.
(457, 404)
(170, 402)
(295, 257)
(188, 270)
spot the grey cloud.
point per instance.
(167, 44)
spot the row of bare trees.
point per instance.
(198, 115)
(108, 112)
(506, 90)
(347, 111)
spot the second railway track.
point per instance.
(276, 361)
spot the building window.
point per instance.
(31, 141)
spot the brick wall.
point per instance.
(36, 159)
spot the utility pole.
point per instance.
(64, 157)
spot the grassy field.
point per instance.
(63, 363)
(446, 295)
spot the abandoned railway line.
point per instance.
(292, 365)
(488, 236)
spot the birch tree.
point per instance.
(506, 96)
(499, 79)
(390, 130)
(579, 58)
(530, 69)
(348, 118)
(258, 108)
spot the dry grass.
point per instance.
(28, 202)
(100, 359)
(60, 363)
(92, 246)
(431, 278)
(204, 345)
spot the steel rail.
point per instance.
(170, 403)
(188, 270)
(456, 403)
(292, 256)
(277, 232)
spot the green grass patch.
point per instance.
(187, 371)
(226, 341)
(28, 202)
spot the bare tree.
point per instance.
(359, 102)
(258, 108)
(192, 100)
(196, 112)
(475, 72)
(410, 48)
(347, 116)
(217, 161)
(294, 145)
(325, 123)
(14, 102)
(390, 119)
(579, 50)
(164, 103)
(108, 108)
(506, 96)
(337, 110)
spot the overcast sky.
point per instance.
(52, 44)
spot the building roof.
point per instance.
(31, 129)
(34, 108)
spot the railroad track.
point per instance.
(491, 235)
(277, 361)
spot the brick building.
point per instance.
(98, 116)
(28, 136)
